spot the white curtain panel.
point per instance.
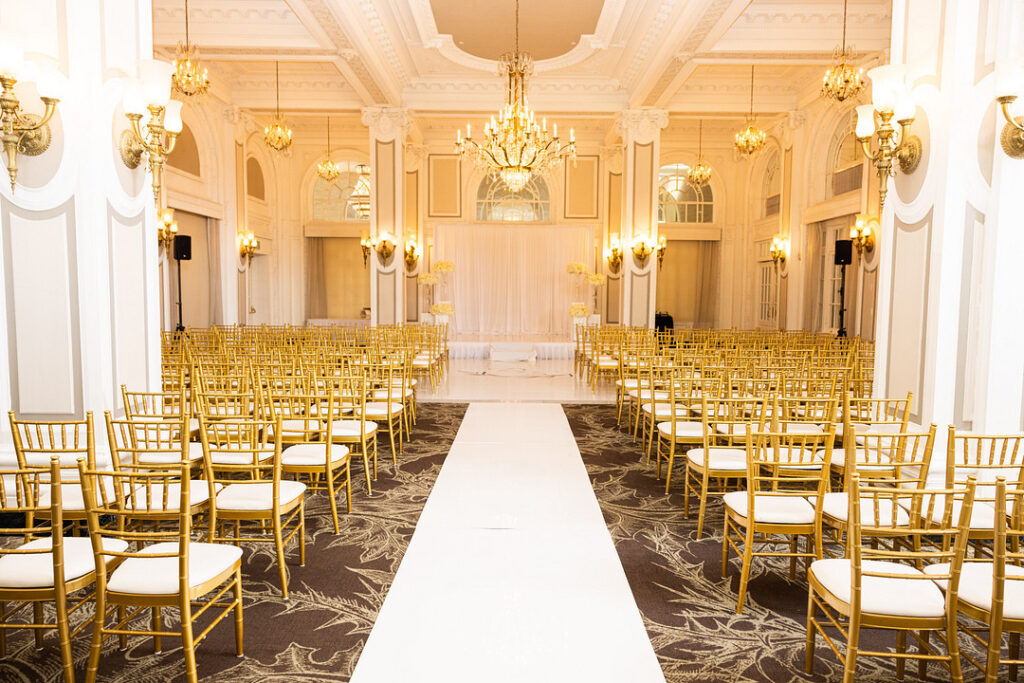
(511, 280)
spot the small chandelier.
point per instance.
(360, 196)
(842, 80)
(515, 146)
(327, 169)
(188, 78)
(278, 135)
(700, 173)
(751, 139)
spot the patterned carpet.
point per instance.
(689, 610)
(318, 634)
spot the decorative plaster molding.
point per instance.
(641, 125)
(611, 155)
(386, 123)
(415, 154)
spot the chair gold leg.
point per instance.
(811, 634)
(302, 532)
(64, 635)
(238, 613)
(97, 638)
(332, 497)
(348, 485)
(157, 626)
(748, 557)
(3, 631)
(281, 568)
(122, 615)
(850, 663)
(188, 645)
(37, 618)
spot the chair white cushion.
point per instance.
(976, 586)
(839, 459)
(383, 409)
(244, 458)
(293, 427)
(731, 459)
(837, 506)
(665, 409)
(396, 392)
(193, 453)
(646, 394)
(860, 430)
(689, 430)
(882, 595)
(312, 454)
(159, 575)
(198, 493)
(351, 428)
(258, 495)
(71, 497)
(800, 428)
(772, 509)
(36, 570)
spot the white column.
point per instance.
(387, 139)
(641, 135)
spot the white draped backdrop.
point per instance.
(511, 280)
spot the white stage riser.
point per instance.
(478, 350)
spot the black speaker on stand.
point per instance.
(844, 257)
(182, 252)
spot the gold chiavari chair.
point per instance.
(894, 588)
(161, 568)
(239, 457)
(356, 432)
(723, 456)
(986, 457)
(40, 564)
(991, 592)
(786, 483)
(388, 410)
(680, 430)
(874, 415)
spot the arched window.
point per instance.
(772, 185)
(254, 184)
(845, 163)
(185, 156)
(495, 202)
(680, 202)
(347, 198)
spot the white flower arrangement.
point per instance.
(442, 308)
(595, 279)
(429, 279)
(444, 267)
(576, 268)
(579, 310)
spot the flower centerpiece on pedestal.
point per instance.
(443, 308)
(595, 280)
(579, 312)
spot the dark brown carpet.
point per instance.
(688, 608)
(318, 633)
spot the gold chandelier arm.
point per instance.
(168, 146)
(865, 147)
(51, 109)
(1004, 105)
(133, 123)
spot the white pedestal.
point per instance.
(513, 353)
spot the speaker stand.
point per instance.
(180, 327)
(842, 304)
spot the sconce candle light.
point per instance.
(613, 254)
(662, 246)
(20, 132)
(366, 245)
(167, 229)
(778, 250)
(412, 253)
(384, 245)
(148, 104)
(891, 98)
(1011, 79)
(248, 246)
(862, 233)
(643, 247)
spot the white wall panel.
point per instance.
(907, 312)
(128, 299)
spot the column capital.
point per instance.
(612, 157)
(386, 123)
(641, 125)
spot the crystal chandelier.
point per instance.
(751, 139)
(700, 173)
(278, 135)
(515, 146)
(327, 169)
(360, 196)
(842, 80)
(188, 78)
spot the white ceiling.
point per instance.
(688, 56)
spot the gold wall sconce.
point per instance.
(154, 120)
(20, 132)
(643, 246)
(247, 246)
(891, 98)
(779, 250)
(366, 245)
(613, 254)
(1010, 82)
(167, 229)
(662, 247)
(412, 253)
(384, 245)
(862, 233)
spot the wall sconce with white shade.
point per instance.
(779, 250)
(891, 98)
(366, 245)
(148, 105)
(167, 229)
(412, 253)
(247, 246)
(613, 254)
(643, 246)
(20, 132)
(662, 247)
(1011, 82)
(862, 233)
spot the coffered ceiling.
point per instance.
(437, 57)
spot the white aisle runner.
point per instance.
(511, 574)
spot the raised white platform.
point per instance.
(513, 352)
(511, 574)
(482, 349)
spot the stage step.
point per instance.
(511, 352)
